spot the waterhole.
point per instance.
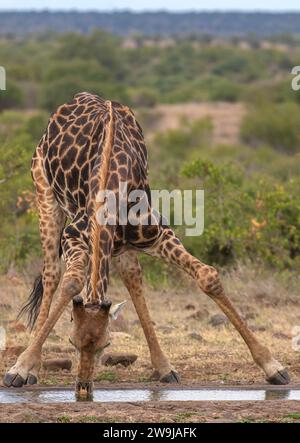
(53, 395)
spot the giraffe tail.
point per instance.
(102, 174)
(33, 304)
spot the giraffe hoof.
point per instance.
(8, 379)
(280, 378)
(31, 379)
(14, 380)
(172, 377)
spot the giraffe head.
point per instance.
(90, 336)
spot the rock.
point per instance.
(196, 336)
(258, 328)
(200, 314)
(218, 320)
(281, 335)
(13, 351)
(59, 349)
(56, 364)
(189, 307)
(116, 359)
(120, 324)
(166, 329)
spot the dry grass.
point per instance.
(226, 119)
(269, 303)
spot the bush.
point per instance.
(257, 219)
(12, 97)
(19, 238)
(276, 125)
(143, 97)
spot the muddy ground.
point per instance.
(205, 351)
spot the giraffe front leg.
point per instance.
(131, 274)
(27, 366)
(170, 248)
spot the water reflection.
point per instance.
(277, 394)
(26, 395)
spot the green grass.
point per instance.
(293, 415)
(95, 419)
(107, 376)
(182, 416)
(64, 419)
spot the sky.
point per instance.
(150, 5)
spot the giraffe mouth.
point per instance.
(84, 390)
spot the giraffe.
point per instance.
(90, 145)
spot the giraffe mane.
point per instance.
(95, 226)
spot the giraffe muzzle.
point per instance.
(84, 390)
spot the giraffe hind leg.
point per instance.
(130, 272)
(170, 248)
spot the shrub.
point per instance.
(276, 125)
(257, 219)
(12, 97)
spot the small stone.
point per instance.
(189, 307)
(280, 335)
(258, 328)
(196, 336)
(166, 329)
(116, 359)
(200, 314)
(57, 364)
(218, 320)
(59, 349)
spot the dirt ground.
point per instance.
(202, 352)
(226, 119)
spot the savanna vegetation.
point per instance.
(252, 203)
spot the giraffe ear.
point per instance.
(116, 309)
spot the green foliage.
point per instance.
(276, 125)
(46, 69)
(143, 97)
(19, 135)
(12, 97)
(62, 81)
(252, 207)
(257, 219)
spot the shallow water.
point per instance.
(132, 395)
